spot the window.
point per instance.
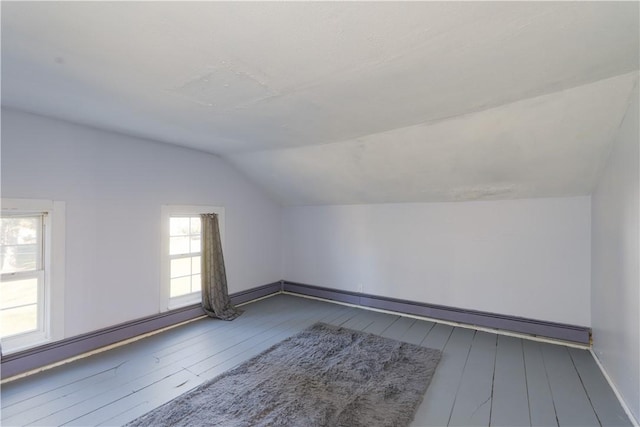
(184, 251)
(22, 267)
(27, 291)
(181, 253)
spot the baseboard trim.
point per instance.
(559, 331)
(255, 293)
(34, 358)
(47, 354)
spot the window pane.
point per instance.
(195, 265)
(180, 286)
(180, 267)
(196, 283)
(19, 230)
(18, 258)
(178, 226)
(18, 320)
(18, 292)
(179, 245)
(195, 244)
(19, 243)
(195, 225)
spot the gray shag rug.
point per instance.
(323, 376)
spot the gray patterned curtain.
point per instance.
(215, 296)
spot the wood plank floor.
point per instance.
(483, 378)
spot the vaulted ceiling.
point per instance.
(345, 102)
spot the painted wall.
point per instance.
(114, 186)
(528, 258)
(615, 294)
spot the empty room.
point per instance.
(320, 213)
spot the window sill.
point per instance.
(184, 301)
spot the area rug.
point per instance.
(323, 376)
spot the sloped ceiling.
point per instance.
(327, 103)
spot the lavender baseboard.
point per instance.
(34, 358)
(24, 361)
(577, 334)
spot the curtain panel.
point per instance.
(215, 295)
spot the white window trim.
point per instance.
(54, 270)
(166, 302)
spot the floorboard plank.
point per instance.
(572, 404)
(438, 336)
(435, 409)
(417, 332)
(344, 316)
(510, 403)
(159, 392)
(399, 328)
(603, 399)
(381, 322)
(473, 400)
(541, 408)
(95, 398)
(360, 321)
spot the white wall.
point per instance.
(528, 258)
(114, 186)
(615, 294)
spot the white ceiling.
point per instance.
(344, 102)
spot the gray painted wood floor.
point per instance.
(483, 378)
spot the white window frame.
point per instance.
(51, 299)
(168, 211)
